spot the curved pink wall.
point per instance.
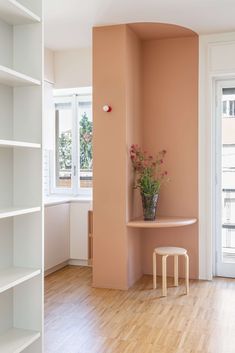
(170, 116)
(152, 87)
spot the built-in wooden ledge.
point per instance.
(161, 222)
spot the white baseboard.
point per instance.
(56, 268)
(75, 262)
(72, 262)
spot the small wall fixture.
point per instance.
(107, 108)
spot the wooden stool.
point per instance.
(165, 252)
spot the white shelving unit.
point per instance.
(16, 340)
(12, 276)
(13, 78)
(21, 210)
(19, 144)
(14, 13)
(17, 211)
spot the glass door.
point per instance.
(225, 179)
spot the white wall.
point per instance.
(217, 61)
(49, 65)
(73, 68)
(69, 68)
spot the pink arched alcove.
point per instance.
(148, 74)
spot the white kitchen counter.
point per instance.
(59, 199)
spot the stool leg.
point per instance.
(186, 273)
(176, 281)
(164, 278)
(154, 270)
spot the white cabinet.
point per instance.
(79, 231)
(56, 235)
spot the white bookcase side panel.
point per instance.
(6, 44)
(6, 177)
(6, 311)
(27, 114)
(28, 304)
(6, 112)
(27, 57)
(27, 177)
(6, 243)
(28, 240)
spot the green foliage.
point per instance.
(147, 183)
(65, 150)
(85, 142)
(65, 146)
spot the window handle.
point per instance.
(74, 170)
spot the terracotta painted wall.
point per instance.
(116, 81)
(134, 102)
(109, 196)
(170, 113)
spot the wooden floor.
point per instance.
(81, 319)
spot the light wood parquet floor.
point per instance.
(82, 319)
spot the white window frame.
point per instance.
(76, 95)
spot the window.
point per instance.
(72, 160)
(228, 103)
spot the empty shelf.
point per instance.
(13, 78)
(12, 276)
(17, 211)
(16, 340)
(13, 143)
(12, 12)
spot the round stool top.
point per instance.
(170, 250)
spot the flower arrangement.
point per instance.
(149, 177)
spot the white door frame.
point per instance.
(216, 61)
(226, 270)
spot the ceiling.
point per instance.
(68, 23)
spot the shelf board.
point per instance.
(17, 211)
(16, 340)
(12, 12)
(12, 276)
(20, 144)
(13, 78)
(161, 222)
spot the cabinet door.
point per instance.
(56, 235)
(79, 230)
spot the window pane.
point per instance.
(224, 108)
(85, 128)
(63, 116)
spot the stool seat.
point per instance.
(170, 250)
(165, 252)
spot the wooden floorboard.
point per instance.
(82, 319)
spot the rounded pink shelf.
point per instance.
(161, 222)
